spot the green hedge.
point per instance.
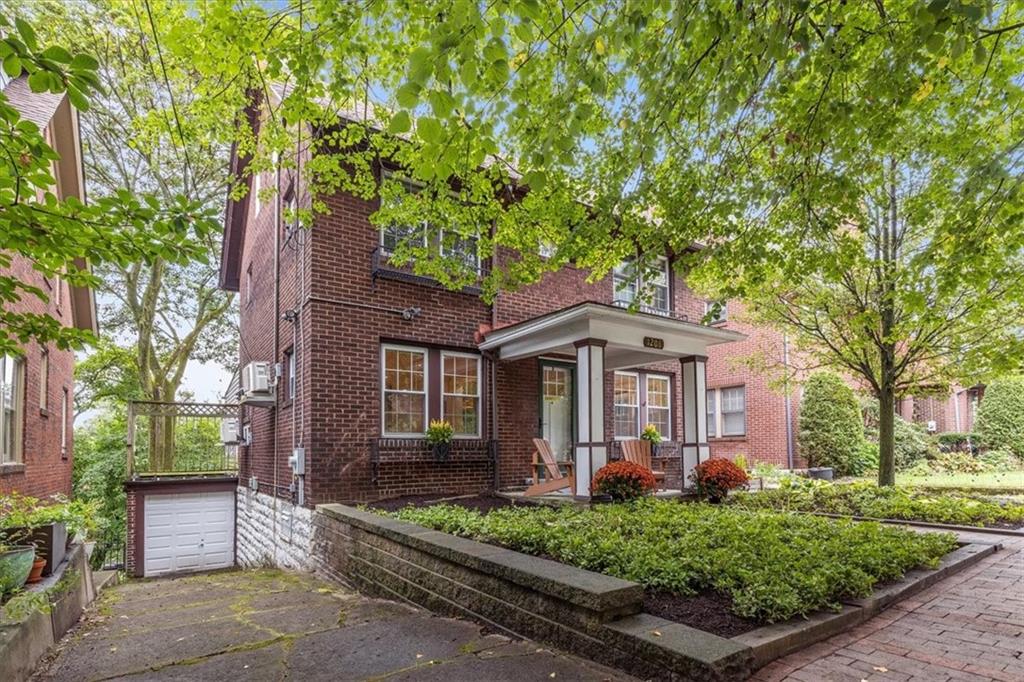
(773, 566)
(831, 427)
(1000, 424)
(890, 502)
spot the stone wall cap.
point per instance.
(589, 590)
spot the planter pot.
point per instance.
(51, 543)
(820, 473)
(36, 574)
(442, 451)
(15, 566)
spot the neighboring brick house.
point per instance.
(36, 388)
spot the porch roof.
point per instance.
(632, 339)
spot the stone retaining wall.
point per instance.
(587, 613)
(271, 531)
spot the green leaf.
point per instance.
(430, 130)
(27, 33)
(39, 81)
(408, 95)
(421, 65)
(57, 54)
(400, 123)
(12, 65)
(78, 100)
(84, 61)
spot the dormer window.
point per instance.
(646, 285)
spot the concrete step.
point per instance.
(104, 579)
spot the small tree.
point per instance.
(1001, 415)
(831, 429)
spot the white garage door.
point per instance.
(189, 532)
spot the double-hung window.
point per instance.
(640, 399)
(659, 404)
(289, 368)
(12, 381)
(460, 393)
(405, 390)
(64, 398)
(716, 314)
(44, 380)
(647, 283)
(727, 412)
(627, 405)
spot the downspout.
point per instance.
(789, 404)
(493, 361)
(277, 329)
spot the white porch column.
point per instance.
(695, 446)
(590, 448)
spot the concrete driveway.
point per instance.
(271, 625)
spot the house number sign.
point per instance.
(654, 342)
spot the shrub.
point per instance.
(714, 478)
(958, 463)
(910, 444)
(741, 461)
(866, 459)
(623, 481)
(1000, 422)
(773, 566)
(864, 498)
(957, 442)
(831, 426)
(999, 460)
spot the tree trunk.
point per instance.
(886, 437)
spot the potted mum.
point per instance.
(714, 478)
(621, 481)
(651, 435)
(439, 437)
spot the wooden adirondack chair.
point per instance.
(544, 461)
(639, 452)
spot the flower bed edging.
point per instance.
(590, 614)
(774, 641)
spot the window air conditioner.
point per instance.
(229, 430)
(256, 378)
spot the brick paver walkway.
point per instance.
(967, 627)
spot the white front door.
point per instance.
(556, 409)
(188, 532)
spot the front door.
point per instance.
(556, 402)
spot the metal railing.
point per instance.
(179, 439)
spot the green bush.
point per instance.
(910, 444)
(999, 460)
(773, 566)
(1000, 424)
(889, 502)
(957, 442)
(958, 463)
(866, 460)
(831, 427)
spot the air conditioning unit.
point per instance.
(229, 430)
(256, 378)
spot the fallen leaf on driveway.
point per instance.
(881, 669)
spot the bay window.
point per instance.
(405, 391)
(460, 393)
(12, 380)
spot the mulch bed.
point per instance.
(481, 503)
(709, 611)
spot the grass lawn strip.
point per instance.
(772, 566)
(894, 502)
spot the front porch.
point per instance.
(597, 371)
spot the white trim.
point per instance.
(647, 405)
(384, 347)
(636, 376)
(479, 391)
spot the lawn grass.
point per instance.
(772, 566)
(864, 498)
(997, 480)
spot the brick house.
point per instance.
(36, 388)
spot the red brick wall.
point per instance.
(43, 471)
(765, 439)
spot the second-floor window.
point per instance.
(44, 380)
(648, 286)
(713, 315)
(449, 243)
